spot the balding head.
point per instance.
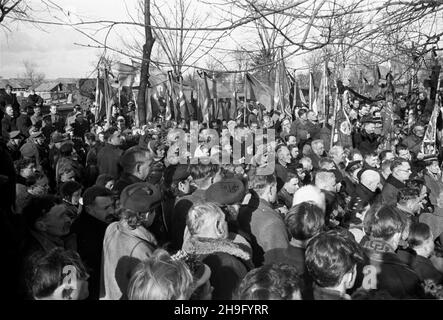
(310, 193)
(370, 179)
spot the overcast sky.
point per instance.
(53, 49)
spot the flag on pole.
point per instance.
(184, 112)
(205, 100)
(215, 107)
(278, 105)
(311, 91)
(342, 125)
(429, 144)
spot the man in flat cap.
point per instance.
(14, 144)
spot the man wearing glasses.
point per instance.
(401, 171)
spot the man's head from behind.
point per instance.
(136, 161)
(271, 282)
(304, 221)
(48, 277)
(310, 193)
(265, 186)
(326, 180)
(385, 224)
(208, 221)
(370, 179)
(331, 259)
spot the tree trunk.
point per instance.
(144, 76)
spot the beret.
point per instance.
(140, 197)
(226, 192)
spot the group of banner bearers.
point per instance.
(352, 209)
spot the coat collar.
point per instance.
(395, 182)
(206, 246)
(140, 232)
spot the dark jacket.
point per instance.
(390, 190)
(108, 160)
(23, 124)
(292, 255)
(413, 143)
(285, 198)
(328, 294)
(90, 234)
(180, 214)
(229, 263)
(265, 229)
(393, 275)
(421, 265)
(125, 180)
(364, 142)
(11, 99)
(8, 125)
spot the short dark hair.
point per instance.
(383, 154)
(38, 207)
(304, 220)
(384, 223)
(329, 256)
(400, 147)
(418, 233)
(66, 149)
(90, 136)
(108, 133)
(386, 164)
(46, 272)
(23, 164)
(272, 281)
(406, 194)
(397, 162)
(132, 157)
(259, 182)
(202, 171)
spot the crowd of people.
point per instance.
(117, 210)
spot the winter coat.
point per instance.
(90, 235)
(229, 263)
(23, 124)
(123, 249)
(180, 214)
(125, 180)
(108, 160)
(390, 190)
(421, 265)
(392, 274)
(265, 229)
(8, 125)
